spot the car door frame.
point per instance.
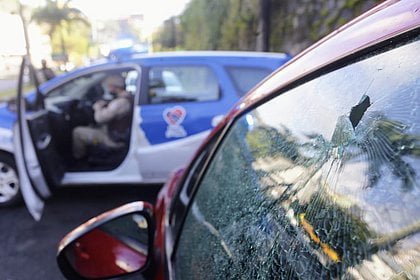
(127, 171)
(33, 184)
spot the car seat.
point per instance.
(106, 158)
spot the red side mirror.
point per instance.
(116, 243)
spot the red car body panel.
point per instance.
(383, 22)
(160, 214)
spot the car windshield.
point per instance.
(318, 183)
(78, 87)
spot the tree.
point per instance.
(168, 37)
(202, 22)
(265, 25)
(263, 38)
(58, 16)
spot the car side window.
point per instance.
(245, 78)
(320, 182)
(168, 84)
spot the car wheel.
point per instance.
(9, 181)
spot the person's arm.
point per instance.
(115, 108)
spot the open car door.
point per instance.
(37, 160)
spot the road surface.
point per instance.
(28, 248)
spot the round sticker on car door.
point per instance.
(174, 117)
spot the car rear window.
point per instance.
(321, 182)
(245, 78)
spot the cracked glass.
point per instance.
(320, 182)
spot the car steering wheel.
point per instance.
(84, 111)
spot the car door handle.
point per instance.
(44, 141)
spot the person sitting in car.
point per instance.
(112, 117)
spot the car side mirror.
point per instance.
(116, 243)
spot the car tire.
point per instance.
(9, 182)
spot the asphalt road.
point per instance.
(28, 248)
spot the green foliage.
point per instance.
(268, 142)
(75, 36)
(201, 23)
(240, 29)
(67, 27)
(169, 36)
(234, 24)
(55, 14)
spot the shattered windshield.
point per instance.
(320, 182)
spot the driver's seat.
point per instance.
(104, 157)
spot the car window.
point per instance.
(321, 182)
(90, 85)
(245, 78)
(77, 87)
(182, 84)
(180, 202)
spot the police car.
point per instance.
(178, 98)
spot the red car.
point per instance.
(313, 175)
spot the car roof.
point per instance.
(239, 57)
(379, 24)
(210, 54)
(202, 55)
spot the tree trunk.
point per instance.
(263, 38)
(63, 46)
